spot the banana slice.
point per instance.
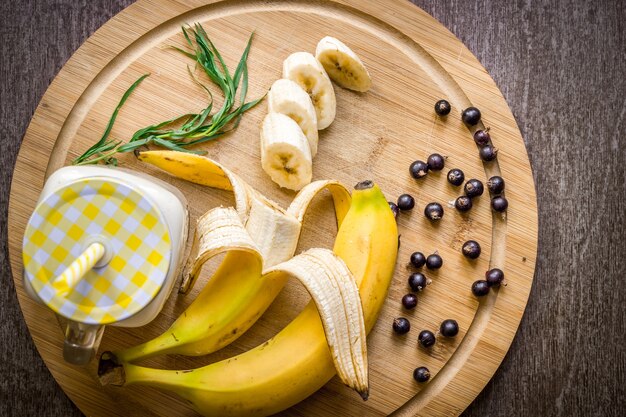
(285, 152)
(342, 65)
(290, 99)
(306, 70)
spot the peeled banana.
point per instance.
(342, 65)
(285, 152)
(290, 99)
(297, 361)
(235, 296)
(306, 71)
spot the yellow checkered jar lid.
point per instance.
(131, 228)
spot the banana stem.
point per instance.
(111, 371)
(364, 185)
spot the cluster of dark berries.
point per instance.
(473, 188)
(493, 278)
(405, 202)
(449, 328)
(486, 152)
(471, 249)
(419, 169)
(418, 281)
(426, 338)
(471, 116)
(495, 185)
(433, 261)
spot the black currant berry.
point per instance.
(417, 281)
(406, 202)
(480, 288)
(474, 188)
(426, 338)
(494, 277)
(499, 203)
(481, 137)
(488, 153)
(495, 184)
(409, 301)
(418, 169)
(471, 249)
(456, 176)
(449, 328)
(471, 116)
(442, 108)
(401, 325)
(434, 261)
(433, 211)
(421, 374)
(436, 162)
(394, 209)
(418, 259)
(463, 203)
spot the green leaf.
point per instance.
(242, 63)
(203, 139)
(155, 129)
(103, 140)
(244, 86)
(174, 147)
(182, 51)
(131, 146)
(205, 38)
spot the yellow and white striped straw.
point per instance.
(65, 282)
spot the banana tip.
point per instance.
(110, 372)
(365, 394)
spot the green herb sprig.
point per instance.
(196, 128)
(104, 149)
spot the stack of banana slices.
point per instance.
(303, 102)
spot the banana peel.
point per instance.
(235, 297)
(298, 360)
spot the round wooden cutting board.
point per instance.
(414, 61)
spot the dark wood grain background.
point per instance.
(561, 66)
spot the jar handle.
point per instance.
(81, 339)
(81, 342)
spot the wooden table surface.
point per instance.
(561, 66)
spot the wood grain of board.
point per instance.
(427, 58)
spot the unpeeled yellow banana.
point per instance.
(297, 361)
(235, 296)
